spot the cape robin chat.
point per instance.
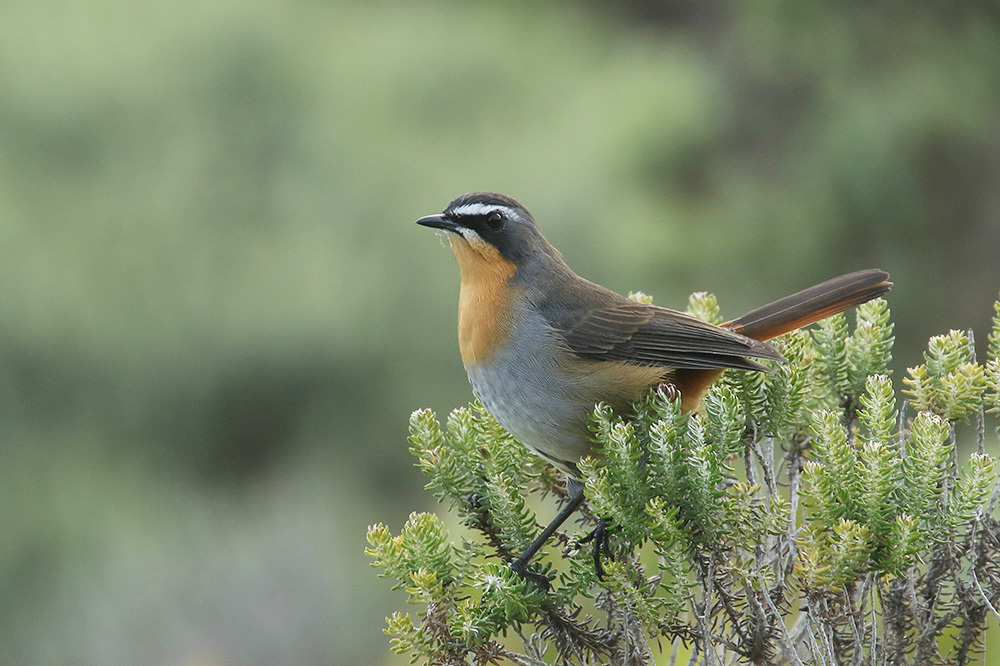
(542, 346)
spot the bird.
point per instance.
(543, 346)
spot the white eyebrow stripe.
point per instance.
(475, 209)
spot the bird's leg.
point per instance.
(600, 535)
(520, 565)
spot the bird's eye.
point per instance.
(495, 220)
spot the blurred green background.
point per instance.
(216, 313)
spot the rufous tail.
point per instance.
(812, 304)
(788, 314)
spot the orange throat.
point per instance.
(484, 301)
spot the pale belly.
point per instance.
(532, 408)
(546, 407)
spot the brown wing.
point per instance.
(622, 330)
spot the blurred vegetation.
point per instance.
(215, 313)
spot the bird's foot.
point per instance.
(601, 536)
(520, 567)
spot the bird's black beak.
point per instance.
(438, 222)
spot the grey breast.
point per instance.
(526, 392)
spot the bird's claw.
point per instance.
(601, 536)
(521, 569)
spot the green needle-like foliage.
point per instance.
(704, 306)
(993, 363)
(804, 515)
(869, 350)
(831, 337)
(950, 382)
(878, 414)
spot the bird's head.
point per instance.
(493, 226)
